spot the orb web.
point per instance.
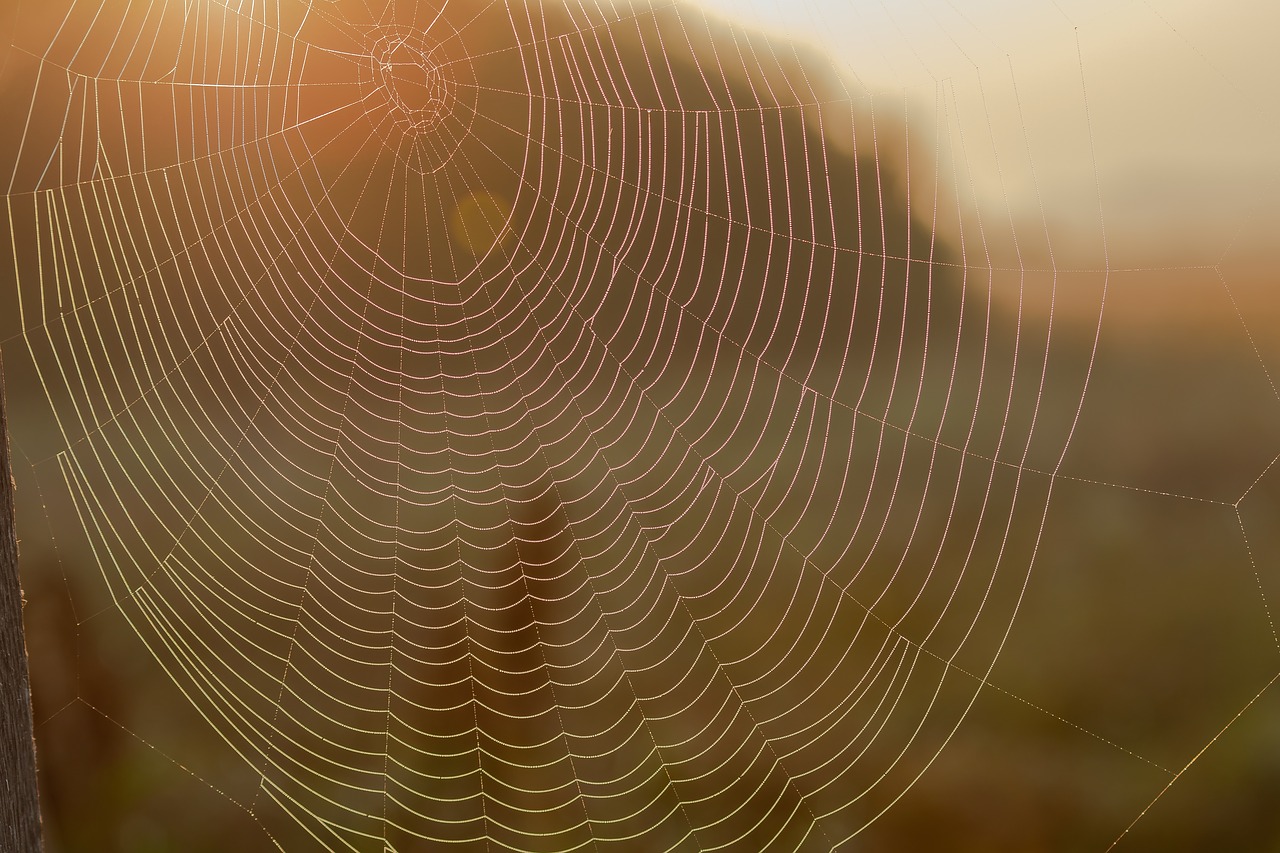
(532, 426)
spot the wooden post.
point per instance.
(19, 800)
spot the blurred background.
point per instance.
(1104, 173)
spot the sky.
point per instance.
(1142, 132)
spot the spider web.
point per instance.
(534, 426)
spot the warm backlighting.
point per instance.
(585, 425)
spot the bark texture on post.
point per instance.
(19, 802)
